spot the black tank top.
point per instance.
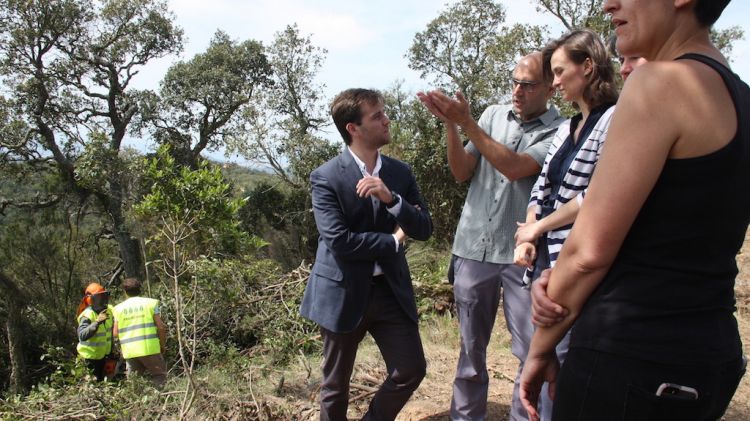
(669, 295)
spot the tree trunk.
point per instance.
(14, 302)
(130, 248)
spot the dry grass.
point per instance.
(431, 402)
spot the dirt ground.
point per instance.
(431, 402)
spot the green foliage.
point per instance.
(98, 163)
(73, 393)
(282, 134)
(228, 389)
(265, 205)
(467, 48)
(202, 100)
(68, 67)
(243, 178)
(576, 14)
(68, 370)
(418, 138)
(428, 264)
(246, 304)
(282, 128)
(55, 253)
(199, 198)
(724, 39)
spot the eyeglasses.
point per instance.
(526, 85)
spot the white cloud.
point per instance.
(330, 24)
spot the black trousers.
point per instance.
(397, 337)
(97, 367)
(595, 385)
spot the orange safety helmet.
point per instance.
(91, 290)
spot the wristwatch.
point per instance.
(395, 201)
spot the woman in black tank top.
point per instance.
(648, 270)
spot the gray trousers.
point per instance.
(152, 366)
(477, 290)
(397, 337)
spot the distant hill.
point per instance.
(244, 178)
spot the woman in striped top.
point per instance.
(584, 75)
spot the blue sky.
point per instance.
(366, 40)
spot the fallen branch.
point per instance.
(363, 387)
(361, 396)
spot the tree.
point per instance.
(578, 14)
(467, 48)
(283, 133)
(193, 215)
(69, 65)
(724, 39)
(15, 300)
(47, 254)
(418, 138)
(202, 100)
(283, 130)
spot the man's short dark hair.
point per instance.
(132, 287)
(346, 108)
(708, 11)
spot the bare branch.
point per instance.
(35, 204)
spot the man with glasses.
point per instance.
(503, 157)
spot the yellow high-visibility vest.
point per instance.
(99, 345)
(136, 328)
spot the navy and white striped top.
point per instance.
(567, 171)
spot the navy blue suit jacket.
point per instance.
(352, 239)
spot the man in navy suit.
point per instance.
(365, 206)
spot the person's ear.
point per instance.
(351, 128)
(678, 4)
(587, 67)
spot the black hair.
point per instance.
(132, 287)
(709, 11)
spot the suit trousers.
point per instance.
(397, 337)
(477, 289)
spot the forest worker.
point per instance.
(95, 328)
(141, 332)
